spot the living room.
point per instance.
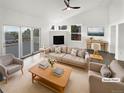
(37, 26)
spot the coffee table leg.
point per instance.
(62, 90)
(33, 76)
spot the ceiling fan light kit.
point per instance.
(68, 7)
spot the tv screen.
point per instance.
(58, 40)
(95, 31)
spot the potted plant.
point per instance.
(51, 62)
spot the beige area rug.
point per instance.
(19, 83)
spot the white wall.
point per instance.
(116, 17)
(1, 21)
(95, 17)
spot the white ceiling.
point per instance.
(50, 9)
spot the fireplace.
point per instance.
(57, 40)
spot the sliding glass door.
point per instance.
(21, 41)
(11, 40)
(26, 41)
(36, 39)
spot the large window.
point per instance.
(21, 41)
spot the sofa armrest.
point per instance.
(97, 86)
(46, 50)
(87, 57)
(95, 66)
(18, 61)
(3, 70)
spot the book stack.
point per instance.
(43, 65)
(58, 71)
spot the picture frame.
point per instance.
(52, 27)
(76, 32)
(95, 31)
(62, 27)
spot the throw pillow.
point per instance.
(81, 53)
(57, 49)
(64, 49)
(105, 71)
(74, 52)
(52, 49)
(69, 50)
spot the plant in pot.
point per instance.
(51, 62)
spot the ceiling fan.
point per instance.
(68, 7)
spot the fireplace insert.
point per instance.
(58, 40)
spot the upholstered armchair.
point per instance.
(9, 64)
(96, 84)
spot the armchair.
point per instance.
(96, 84)
(9, 64)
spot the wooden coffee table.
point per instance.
(48, 79)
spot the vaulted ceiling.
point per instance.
(50, 9)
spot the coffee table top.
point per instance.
(47, 74)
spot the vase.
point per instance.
(52, 65)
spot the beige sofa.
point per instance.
(66, 57)
(95, 78)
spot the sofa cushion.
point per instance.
(6, 59)
(73, 59)
(81, 53)
(57, 49)
(56, 55)
(69, 50)
(105, 71)
(64, 49)
(52, 49)
(74, 52)
(13, 68)
(117, 70)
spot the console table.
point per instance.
(104, 44)
(99, 58)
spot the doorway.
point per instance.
(113, 39)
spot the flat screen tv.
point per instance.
(57, 40)
(95, 31)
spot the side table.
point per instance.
(96, 57)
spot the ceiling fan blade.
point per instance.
(75, 7)
(64, 9)
(66, 3)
